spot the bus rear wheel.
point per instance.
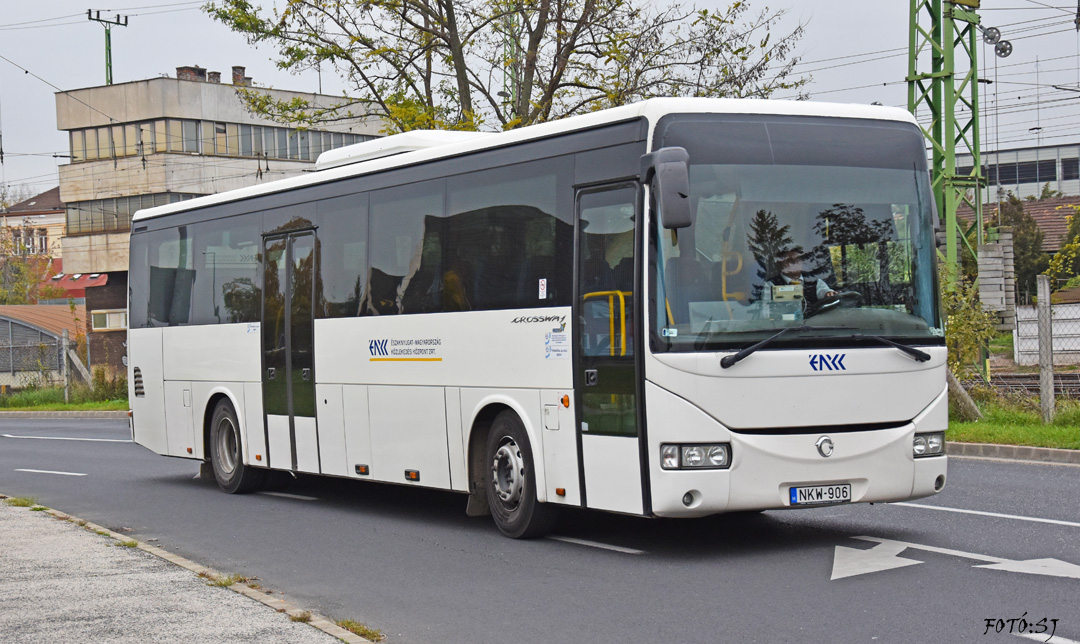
(511, 481)
(226, 454)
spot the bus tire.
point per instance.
(511, 481)
(226, 454)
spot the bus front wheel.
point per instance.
(511, 481)
(226, 456)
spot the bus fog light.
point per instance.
(669, 457)
(718, 455)
(919, 446)
(688, 499)
(693, 456)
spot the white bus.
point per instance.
(672, 309)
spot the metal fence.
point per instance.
(25, 351)
(1064, 331)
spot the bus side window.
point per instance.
(404, 222)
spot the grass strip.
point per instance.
(1030, 435)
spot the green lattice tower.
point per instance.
(511, 59)
(945, 31)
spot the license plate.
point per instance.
(821, 494)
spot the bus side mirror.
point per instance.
(668, 171)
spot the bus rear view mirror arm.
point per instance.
(667, 171)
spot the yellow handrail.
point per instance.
(611, 295)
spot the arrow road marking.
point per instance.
(849, 562)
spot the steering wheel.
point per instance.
(846, 299)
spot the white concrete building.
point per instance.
(1024, 171)
(156, 141)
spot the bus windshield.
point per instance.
(824, 225)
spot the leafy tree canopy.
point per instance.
(1029, 258)
(23, 276)
(463, 64)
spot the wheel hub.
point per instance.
(226, 447)
(508, 473)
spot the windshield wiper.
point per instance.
(731, 360)
(921, 356)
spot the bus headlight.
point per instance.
(713, 456)
(693, 456)
(929, 444)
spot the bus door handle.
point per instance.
(270, 373)
(306, 373)
(591, 377)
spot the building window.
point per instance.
(109, 319)
(1070, 169)
(204, 137)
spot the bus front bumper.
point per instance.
(877, 465)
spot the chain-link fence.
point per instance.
(27, 353)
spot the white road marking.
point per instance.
(597, 544)
(1071, 524)
(52, 472)
(849, 562)
(64, 438)
(1042, 638)
(286, 495)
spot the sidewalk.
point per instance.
(65, 582)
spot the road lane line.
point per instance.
(52, 472)
(286, 495)
(597, 544)
(1041, 637)
(64, 438)
(1071, 524)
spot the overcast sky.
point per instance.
(856, 51)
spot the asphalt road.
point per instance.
(1002, 542)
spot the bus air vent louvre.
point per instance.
(139, 391)
(817, 429)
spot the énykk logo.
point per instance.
(378, 347)
(826, 362)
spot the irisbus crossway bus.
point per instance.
(673, 309)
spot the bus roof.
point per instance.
(411, 148)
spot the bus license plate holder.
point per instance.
(816, 494)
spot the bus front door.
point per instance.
(605, 361)
(288, 350)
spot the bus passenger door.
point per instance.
(605, 361)
(288, 343)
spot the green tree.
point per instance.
(13, 194)
(1029, 257)
(969, 327)
(1064, 267)
(460, 64)
(22, 275)
(1046, 193)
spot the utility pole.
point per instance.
(96, 17)
(949, 93)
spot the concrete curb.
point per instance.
(62, 414)
(1015, 452)
(316, 620)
